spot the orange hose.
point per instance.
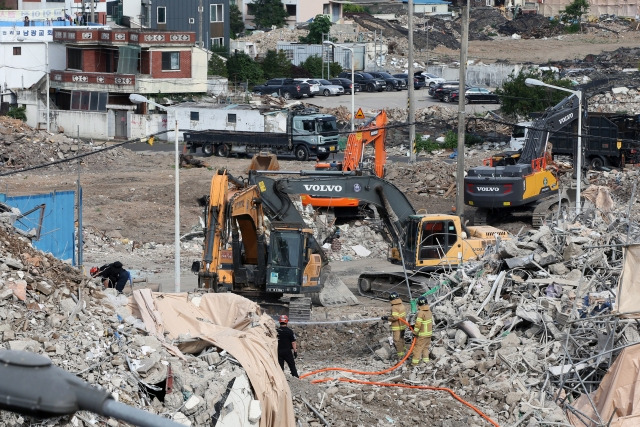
(397, 365)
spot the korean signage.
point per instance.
(34, 15)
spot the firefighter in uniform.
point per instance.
(423, 332)
(398, 327)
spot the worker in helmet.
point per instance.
(398, 311)
(422, 331)
(287, 345)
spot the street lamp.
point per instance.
(139, 99)
(578, 161)
(353, 83)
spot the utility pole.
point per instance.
(200, 12)
(410, 90)
(93, 11)
(464, 46)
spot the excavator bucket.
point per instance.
(264, 161)
(334, 292)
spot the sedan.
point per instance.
(327, 88)
(476, 94)
(346, 84)
(314, 86)
(418, 80)
(431, 79)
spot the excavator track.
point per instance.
(379, 285)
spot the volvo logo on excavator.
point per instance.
(488, 188)
(565, 118)
(324, 188)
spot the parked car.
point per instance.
(286, 88)
(418, 80)
(442, 91)
(431, 79)
(392, 82)
(327, 88)
(366, 81)
(314, 86)
(347, 84)
(476, 94)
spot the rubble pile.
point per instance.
(618, 99)
(23, 146)
(48, 307)
(515, 329)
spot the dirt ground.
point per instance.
(131, 198)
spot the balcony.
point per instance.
(124, 83)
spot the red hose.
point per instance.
(396, 366)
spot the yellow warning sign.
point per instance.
(360, 114)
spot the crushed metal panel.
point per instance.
(629, 284)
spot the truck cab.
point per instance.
(314, 134)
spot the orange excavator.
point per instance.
(372, 133)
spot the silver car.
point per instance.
(327, 88)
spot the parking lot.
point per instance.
(388, 100)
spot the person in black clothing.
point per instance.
(286, 343)
(113, 275)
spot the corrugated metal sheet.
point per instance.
(58, 229)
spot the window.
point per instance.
(194, 116)
(215, 13)
(170, 61)
(251, 9)
(89, 101)
(74, 59)
(291, 10)
(231, 118)
(17, 50)
(162, 15)
(433, 9)
(217, 42)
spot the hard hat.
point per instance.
(93, 270)
(284, 319)
(393, 295)
(422, 301)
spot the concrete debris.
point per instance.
(23, 146)
(49, 308)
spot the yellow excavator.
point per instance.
(421, 242)
(263, 259)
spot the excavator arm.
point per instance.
(374, 132)
(395, 207)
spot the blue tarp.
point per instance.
(57, 235)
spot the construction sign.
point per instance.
(360, 114)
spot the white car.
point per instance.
(314, 86)
(431, 79)
(327, 88)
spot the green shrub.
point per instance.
(428, 145)
(18, 113)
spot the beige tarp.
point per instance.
(232, 323)
(629, 283)
(617, 399)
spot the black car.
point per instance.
(476, 94)
(346, 84)
(392, 82)
(442, 91)
(418, 81)
(365, 80)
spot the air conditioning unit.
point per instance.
(192, 21)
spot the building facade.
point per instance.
(298, 11)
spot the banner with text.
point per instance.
(37, 14)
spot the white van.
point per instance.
(518, 135)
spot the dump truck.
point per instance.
(299, 132)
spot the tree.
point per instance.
(236, 24)
(216, 66)
(321, 25)
(18, 113)
(519, 99)
(241, 68)
(575, 10)
(276, 64)
(268, 13)
(313, 65)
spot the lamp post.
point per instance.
(578, 160)
(353, 83)
(139, 99)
